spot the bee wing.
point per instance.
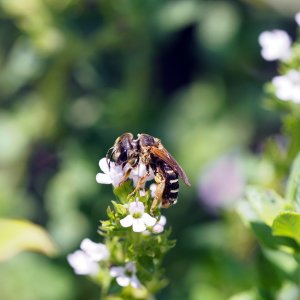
(164, 155)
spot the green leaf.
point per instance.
(287, 224)
(119, 208)
(282, 260)
(266, 203)
(293, 185)
(291, 128)
(110, 213)
(22, 235)
(266, 238)
(247, 212)
(123, 191)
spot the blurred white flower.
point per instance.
(126, 275)
(85, 261)
(82, 263)
(137, 217)
(159, 226)
(137, 173)
(276, 44)
(113, 174)
(297, 18)
(96, 251)
(287, 87)
(221, 183)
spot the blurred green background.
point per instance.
(74, 75)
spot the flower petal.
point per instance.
(116, 271)
(297, 18)
(127, 221)
(82, 264)
(142, 193)
(96, 251)
(275, 45)
(103, 178)
(117, 178)
(158, 228)
(103, 164)
(136, 207)
(135, 282)
(123, 280)
(141, 170)
(163, 220)
(153, 189)
(138, 225)
(148, 220)
(130, 266)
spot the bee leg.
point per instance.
(126, 175)
(139, 184)
(160, 187)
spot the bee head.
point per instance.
(124, 149)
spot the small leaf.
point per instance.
(293, 185)
(22, 235)
(119, 208)
(287, 224)
(267, 203)
(123, 191)
(110, 213)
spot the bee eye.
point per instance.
(123, 156)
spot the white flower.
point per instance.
(96, 251)
(137, 173)
(137, 217)
(126, 275)
(113, 174)
(85, 261)
(287, 87)
(159, 226)
(276, 44)
(297, 18)
(82, 263)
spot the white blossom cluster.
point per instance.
(277, 45)
(87, 260)
(113, 174)
(137, 218)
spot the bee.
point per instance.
(150, 151)
(165, 168)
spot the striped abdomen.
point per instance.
(171, 189)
